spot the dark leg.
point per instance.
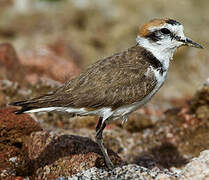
(99, 129)
(99, 124)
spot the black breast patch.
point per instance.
(154, 62)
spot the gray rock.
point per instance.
(198, 168)
(131, 171)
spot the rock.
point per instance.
(35, 65)
(187, 128)
(15, 126)
(130, 171)
(53, 154)
(163, 156)
(44, 63)
(198, 168)
(14, 130)
(200, 102)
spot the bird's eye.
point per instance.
(165, 31)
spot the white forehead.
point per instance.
(176, 29)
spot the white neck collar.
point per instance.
(162, 53)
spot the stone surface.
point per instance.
(52, 154)
(14, 130)
(198, 168)
(130, 171)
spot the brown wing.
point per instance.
(111, 82)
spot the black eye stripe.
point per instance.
(153, 36)
(156, 35)
(165, 31)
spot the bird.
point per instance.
(117, 85)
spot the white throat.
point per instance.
(163, 53)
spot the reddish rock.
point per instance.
(45, 63)
(22, 124)
(10, 67)
(15, 178)
(14, 130)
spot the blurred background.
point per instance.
(87, 30)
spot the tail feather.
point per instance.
(23, 109)
(25, 106)
(18, 103)
(44, 101)
(36, 103)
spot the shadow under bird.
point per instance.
(115, 86)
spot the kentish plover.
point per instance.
(115, 86)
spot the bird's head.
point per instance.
(164, 36)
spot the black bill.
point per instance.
(191, 43)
